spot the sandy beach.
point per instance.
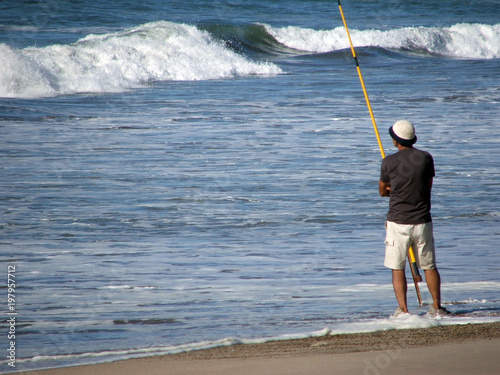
(455, 349)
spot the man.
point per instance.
(406, 177)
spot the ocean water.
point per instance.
(181, 175)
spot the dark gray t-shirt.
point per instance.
(410, 172)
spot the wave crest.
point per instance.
(158, 51)
(468, 41)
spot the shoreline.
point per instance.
(473, 344)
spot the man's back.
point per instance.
(410, 172)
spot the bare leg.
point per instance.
(400, 288)
(433, 280)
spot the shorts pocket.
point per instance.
(389, 242)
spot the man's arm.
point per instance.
(384, 189)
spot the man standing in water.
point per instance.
(406, 177)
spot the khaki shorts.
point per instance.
(399, 238)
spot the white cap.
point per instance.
(403, 132)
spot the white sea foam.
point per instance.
(409, 321)
(118, 61)
(471, 285)
(474, 41)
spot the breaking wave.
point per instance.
(467, 41)
(114, 62)
(167, 51)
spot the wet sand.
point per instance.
(455, 349)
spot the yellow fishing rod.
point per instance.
(411, 256)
